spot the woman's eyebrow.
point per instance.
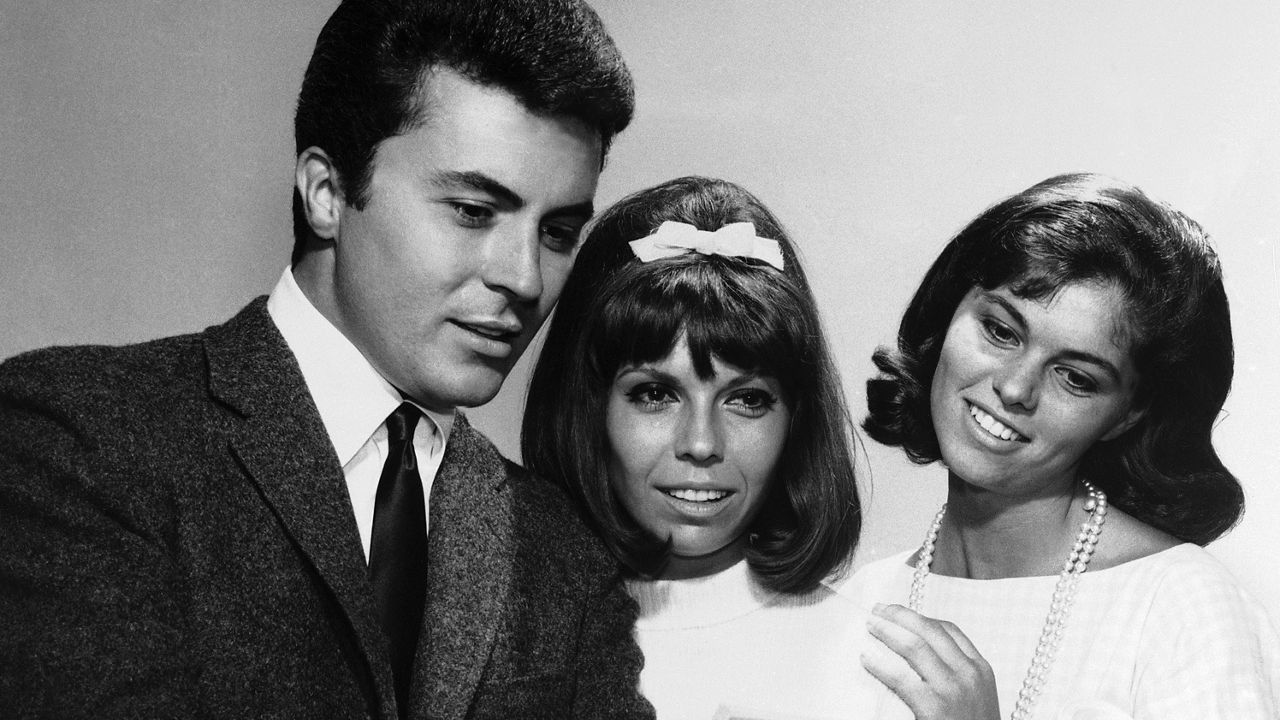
(1008, 306)
(1106, 365)
(1103, 364)
(644, 369)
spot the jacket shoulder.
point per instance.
(89, 376)
(545, 520)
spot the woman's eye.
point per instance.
(650, 396)
(753, 402)
(999, 332)
(470, 215)
(1077, 380)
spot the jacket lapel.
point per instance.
(468, 573)
(283, 447)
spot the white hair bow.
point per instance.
(733, 240)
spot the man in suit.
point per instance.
(284, 515)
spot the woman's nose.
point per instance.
(700, 437)
(1017, 383)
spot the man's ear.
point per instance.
(1130, 419)
(317, 181)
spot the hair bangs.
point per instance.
(723, 308)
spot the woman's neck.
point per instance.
(681, 567)
(986, 535)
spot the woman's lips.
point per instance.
(691, 495)
(994, 427)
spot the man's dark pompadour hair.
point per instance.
(363, 83)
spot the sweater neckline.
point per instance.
(1158, 558)
(699, 602)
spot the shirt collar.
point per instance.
(353, 399)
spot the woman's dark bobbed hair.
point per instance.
(1091, 228)
(616, 310)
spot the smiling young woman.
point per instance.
(1065, 358)
(693, 457)
(687, 401)
(1023, 388)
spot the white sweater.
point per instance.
(724, 647)
(1169, 636)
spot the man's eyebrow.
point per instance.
(583, 210)
(483, 183)
(478, 181)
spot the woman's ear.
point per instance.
(316, 179)
(1130, 419)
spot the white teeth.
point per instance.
(698, 495)
(993, 426)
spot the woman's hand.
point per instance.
(943, 676)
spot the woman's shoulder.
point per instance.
(1140, 554)
(1126, 539)
(867, 583)
(1158, 567)
(1184, 584)
(1204, 641)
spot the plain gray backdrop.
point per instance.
(147, 162)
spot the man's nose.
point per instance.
(513, 261)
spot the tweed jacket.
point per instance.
(176, 541)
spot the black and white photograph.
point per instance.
(610, 359)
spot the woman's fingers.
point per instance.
(914, 641)
(962, 642)
(890, 669)
(928, 645)
(933, 666)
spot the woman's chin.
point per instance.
(686, 564)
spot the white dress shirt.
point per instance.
(354, 402)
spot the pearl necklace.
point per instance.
(1063, 593)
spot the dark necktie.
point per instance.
(398, 549)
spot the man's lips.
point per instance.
(491, 338)
(492, 329)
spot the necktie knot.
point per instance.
(401, 424)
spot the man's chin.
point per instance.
(470, 388)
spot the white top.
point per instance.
(724, 647)
(1168, 636)
(354, 401)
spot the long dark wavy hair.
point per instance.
(616, 311)
(1078, 228)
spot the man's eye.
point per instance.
(469, 215)
(560, 238)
